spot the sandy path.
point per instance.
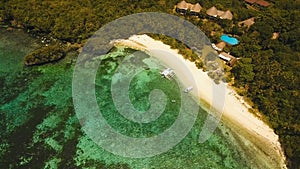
(254, 136)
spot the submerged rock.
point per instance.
(45, 54)
(50, 53)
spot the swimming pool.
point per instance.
(229, 39)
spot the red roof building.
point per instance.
(250, 1)
(263, 3)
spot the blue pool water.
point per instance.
(230, 40)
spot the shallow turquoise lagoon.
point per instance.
(39, 127)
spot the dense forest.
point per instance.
(267, 73)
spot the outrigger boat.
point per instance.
(167, 73)
(187, 90)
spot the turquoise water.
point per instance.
(230, 40)
(39, 128)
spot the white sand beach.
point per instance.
(252, 134)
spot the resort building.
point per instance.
(261, 3)
(226, 15)
(275, 35)
(214, 12)
(195, 9)
(184, 8)
(219, 46)
(230, 60)
(248, 23)
(251, 2)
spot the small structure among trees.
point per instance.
(275, 35)
(251, 2)
(188, 8)
(182, 7)
(219, 46)
(195, 9)
(230, 60)
(248, 23)
(261, 3)
(214, 12)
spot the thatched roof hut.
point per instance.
(226, 15)
(213, 11)
(220, 13)
(275, 35)
(189, 5)
(196, 8)
(182, 5)
(221, 45)
(247, 22)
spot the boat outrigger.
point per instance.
(167, 73)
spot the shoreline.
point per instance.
(256, 137)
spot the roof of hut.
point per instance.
(196, 8)
(263, 3)
(213, 11)
(247, 22)
(182, 5)
(227, 55)
(221, 45)
(251, 1)
(219, 12)
(226, 15)
(189, 5)
(275, 35)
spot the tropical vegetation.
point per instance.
(267, 73)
